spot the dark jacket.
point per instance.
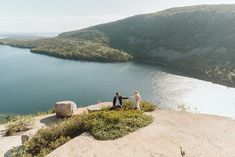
(120, 100)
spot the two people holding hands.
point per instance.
(117, 101)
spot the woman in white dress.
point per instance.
(137, 100)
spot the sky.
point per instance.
(66, 15)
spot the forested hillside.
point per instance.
(71, 49)
(198, 40)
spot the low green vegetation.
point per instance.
(144, 105)
(128, 105)
(102, 125)
(183, 108)
(110, 125)
(51, 111)
(4, 118)
(12, 118)
(19, 124)
(49, 138)
(7, 118)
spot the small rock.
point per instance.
(24, 138)
(65, 108)
(28, 134)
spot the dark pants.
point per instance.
(115, 107)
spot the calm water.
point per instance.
(31, 82)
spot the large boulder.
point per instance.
(65, 108)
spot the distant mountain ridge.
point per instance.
(197, 40)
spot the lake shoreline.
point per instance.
(163, 66)
(158, 84)
(183, 72)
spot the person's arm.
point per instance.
(124, 97)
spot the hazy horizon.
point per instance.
(55, 16)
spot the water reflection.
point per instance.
(31, 82)
(199, 96)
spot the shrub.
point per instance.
(144, 105)
(19, 124)
(183, 108)
(6, 118)
(114, 124)
(103, 125)
(48, 139)
(51, 111)
(105, 108)
(20, 152)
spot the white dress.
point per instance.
(137, 100)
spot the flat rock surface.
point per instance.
(7, 142)
(198, 136)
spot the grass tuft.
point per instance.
(11, 118)
(19, 124)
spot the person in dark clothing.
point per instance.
(117, 101)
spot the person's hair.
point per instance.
(138, 94)
(117, 93)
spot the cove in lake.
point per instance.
(32, 82)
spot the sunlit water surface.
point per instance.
(31, 82)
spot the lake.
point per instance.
(32, 82)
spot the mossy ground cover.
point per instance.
(102, 125)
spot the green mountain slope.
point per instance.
(198, 40)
